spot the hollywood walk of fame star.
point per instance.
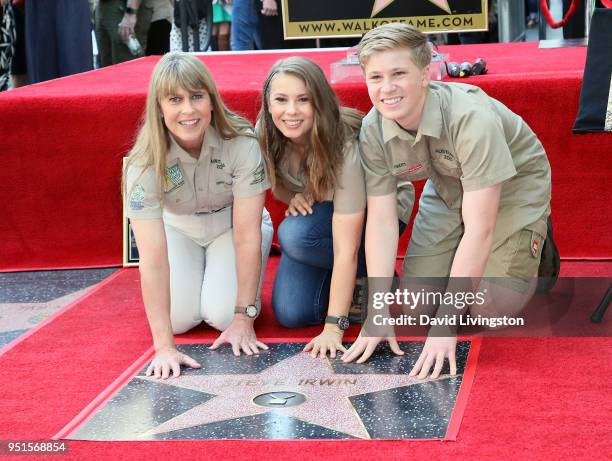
(380, 5)
(25, 315)
(326, 395)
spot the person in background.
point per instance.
(245, 25)
(19, 65)
(531, 12)
(7, 42)
(13, 65)
(194, 187)
(271, 28)
(158, 38)
(198, 37)
(575, 27)
(116, 21)
(270, 24)
(469, 38)
(222, 22)
(58, 38)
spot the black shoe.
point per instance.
(550, 263)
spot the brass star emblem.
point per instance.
(323, 401)
(380, 5)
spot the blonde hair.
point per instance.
(173, 71)
(332, 127)
(392, 36)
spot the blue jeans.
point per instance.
(245, 25)
(301, 289)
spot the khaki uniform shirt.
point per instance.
(162, 9)
(349, 194)
(466, 141)
(205, 187)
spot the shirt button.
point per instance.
(177, 200)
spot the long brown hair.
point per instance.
(177, 70)
(333, 126)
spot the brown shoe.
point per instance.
(359, 307)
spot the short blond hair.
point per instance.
(392, 36)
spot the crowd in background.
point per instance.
(45, 39)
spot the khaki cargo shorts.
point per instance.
(510, 275)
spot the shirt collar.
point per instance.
(430, 125)
(391, 129)
(211, 141)
(431, 120)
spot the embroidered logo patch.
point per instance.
(535, 246)
(446, 154)
(137, 198)
(415, 168)
(218, 162)
(174, 177)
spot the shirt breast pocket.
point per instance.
(223, 188)
(180, 200)
(179, 194)
(446, 164)
(223, 181)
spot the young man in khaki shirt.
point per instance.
(484, 208)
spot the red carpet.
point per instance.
(532, 398)
(72, 144)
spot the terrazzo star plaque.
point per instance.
(283, 393)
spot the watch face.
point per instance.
(251, 311)
(343, 323)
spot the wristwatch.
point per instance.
(251, 311)
(130, 10)
(342, 321)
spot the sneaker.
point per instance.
(550, 263)
(359, 307)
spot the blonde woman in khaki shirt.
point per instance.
(195, 185)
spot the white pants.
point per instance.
(203, 280)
